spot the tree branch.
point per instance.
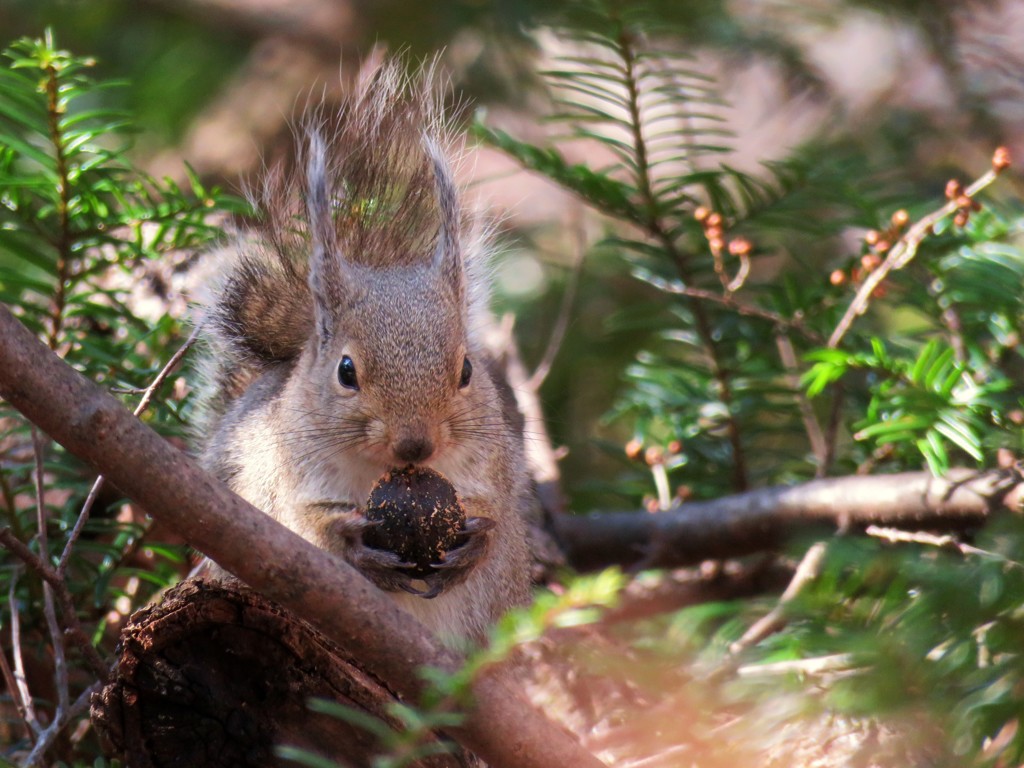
(763, 519)
(502, 727)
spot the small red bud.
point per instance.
(714, 220)
(1005, 458)
(1001, 159)
(701, 213)
(654, 455)
(900, 219)
(675, 447)
(953, 189)
(870, 262)
(871, 237)
(838, 277)
(740, 246)
(634, 448)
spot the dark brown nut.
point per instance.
(419, 517)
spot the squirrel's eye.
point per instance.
(347, 373)
(467, 373)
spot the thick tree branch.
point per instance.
(762, 520)
(502, 727)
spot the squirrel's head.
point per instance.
(390, 365)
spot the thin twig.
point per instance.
(20, 681)
(9, 507)
(97, 486)
(47, 737)
(814, 434)
(835, 421)
(730, 284)
(837, 662)
(775, 620)
(741, 274)
(660, 475)
(739, 307)
(60, 669)
(899, 256)
(900, 536)
(564, 313)
(11, 684)
(72, 625)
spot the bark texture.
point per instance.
(764, 519)
(217, 676)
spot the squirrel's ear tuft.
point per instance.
(325, 278)
(448, 257)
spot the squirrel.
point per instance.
(345, 337)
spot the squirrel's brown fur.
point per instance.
(365, 256)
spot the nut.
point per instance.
(419, 517)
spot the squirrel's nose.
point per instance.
(413, 449)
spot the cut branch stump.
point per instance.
(216, 675)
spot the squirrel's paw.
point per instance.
(459, 562)
(390, 573)
(380, 566)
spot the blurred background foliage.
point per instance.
(804, 126)
(887, 100)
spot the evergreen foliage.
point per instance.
(79, 226)
(748, 276)
(739, 386)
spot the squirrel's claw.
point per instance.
(466, 555)
(390, 573)
(382, 567)
(460, 561)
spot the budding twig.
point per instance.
(739, 247)
(904, 251)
